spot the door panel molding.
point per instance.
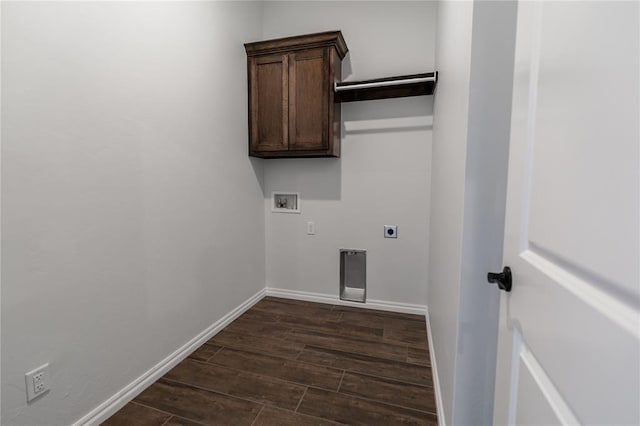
(535, 35)
(616, 311)
(538, 401)
(546, 386)
(514, 378)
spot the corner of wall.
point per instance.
(262, 17)
(133, 389)
(453, 58)
(442, 420)
(1, 6)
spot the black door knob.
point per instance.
(503, 279)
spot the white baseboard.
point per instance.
(382, 305)
(126, 394)
(434, 373)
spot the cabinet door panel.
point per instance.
(309, 100)
(268, 95)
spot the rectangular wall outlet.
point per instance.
(311, 228)
(390, 231)
(37, 381)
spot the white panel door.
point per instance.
(569, 342)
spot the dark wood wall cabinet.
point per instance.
(292, 111)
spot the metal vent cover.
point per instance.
(353, 275)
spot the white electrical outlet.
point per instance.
(37, 382)
(311, 228)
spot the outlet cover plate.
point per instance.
(37, 381)
(390, 231)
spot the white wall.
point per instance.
(470, 152)
(132, 217)
(492, 55)
(383, 174)
(451, 104)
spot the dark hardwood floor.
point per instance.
(287, 362)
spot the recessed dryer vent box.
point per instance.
(285, 202)
(353, 275)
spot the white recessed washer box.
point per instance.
(285, 202)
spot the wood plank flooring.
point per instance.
(288, 362)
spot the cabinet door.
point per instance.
(309, 100)
(268, 103)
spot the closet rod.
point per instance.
(356, 86)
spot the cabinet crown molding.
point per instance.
(288, 44)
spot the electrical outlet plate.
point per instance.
(37, 381)
(390, 231)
